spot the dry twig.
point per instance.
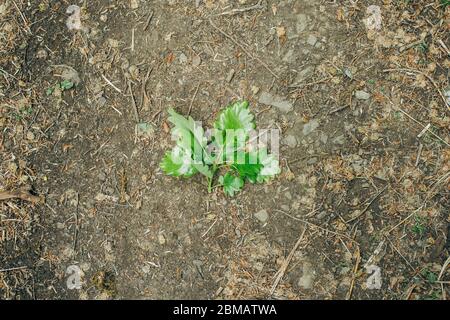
(355, 270)
(240, 10)
(193, 99)
(243, 49)
(279, 275)
(133, 101)
(23, 194)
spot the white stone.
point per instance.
(312, 40)
(362, 95)
(275, 101)
(289, 141)
(262, 215)
(310, 127)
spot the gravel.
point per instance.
(310, 127)
(262, 216)
(362, 95)
(302, 22)
(339, 140)
(196, 61)
(304, 74)
(289, 141)
(183, 58)
(312, 40)
(306, 281)
(276, 101)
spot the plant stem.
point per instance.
(210, 185)
(210, 180)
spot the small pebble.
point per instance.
(310, 127)
(230, 75)
(312, 40)
(289, 141)
(196, 61)
(183, 58)
(362, 95)
(30, 136)
(262, 215)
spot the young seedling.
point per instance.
(229, 150)
(63, 86)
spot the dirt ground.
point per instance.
(365, 157)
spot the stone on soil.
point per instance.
(306, 281)
(262, 215)
(289, 141)
(362, 95)
(310, 127)
(275, 101)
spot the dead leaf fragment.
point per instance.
(281, 33)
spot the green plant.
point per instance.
(434, 295)
(229, 150)
(66, 85)
(23, 112)
(419, 226)
(422, 47)
(63, 85)
(430, 276)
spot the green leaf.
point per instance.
(66, 85)
(178, 163)
(203, 169)
(226, 144)
(190, 137)
(270, 166)
(231, 184)
(232, 130)
(249, 168)
(236, 116)
(258, 166)
(50, 91)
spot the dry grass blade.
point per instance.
(243, 49)
(444, 267)
(283, 268)
(355, 270)
(240, 10)
(13, 269)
